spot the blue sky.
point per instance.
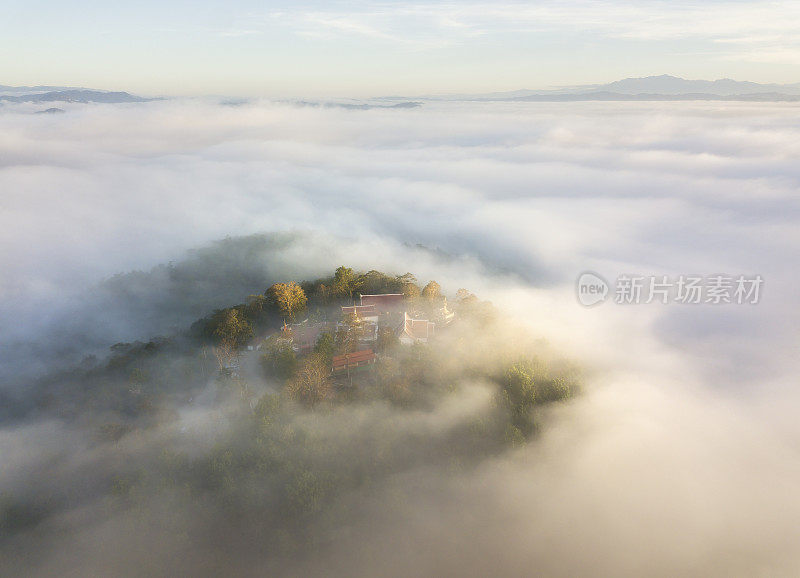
(376, 48)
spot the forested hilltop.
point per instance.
(255, 429)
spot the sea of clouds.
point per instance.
(682, 457)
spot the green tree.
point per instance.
(278, 359)
(311, 383)
(344, 282)
(463, 294)
(232, 329)
(326, 347)
(388, 370)
(350, 332)
(432, 291)
(257, 307)
(387, 339)
(519, 383)
(411, 291)
(373, 282)
(268, 410)
(324, 293)
(519, 393)
(407, 278)
(288, 298)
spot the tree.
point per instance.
(407, 278)
(519, 383)
(326, 347)
(256, 307)
(373, 282)
(288, 298)
(432, 291)
(408, 286)
(311, 384)
(279, 359)
(232, 329)
(387, 339)
(468, 304)
(388, 370)
(344, 282)
(268, 410)
(349, 334)
(462, 294)
(411, 291)
(324, 293)
(519, 394)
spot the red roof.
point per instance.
(383, 302)
(353, 359)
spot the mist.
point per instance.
(680, 456)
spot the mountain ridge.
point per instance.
(82, 96)
(660, 87)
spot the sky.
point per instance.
(366, 48)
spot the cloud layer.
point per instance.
(682, 457)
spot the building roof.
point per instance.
(361, 310)
(353, 359)
(418, 328)
(307, 334)
(384, 301)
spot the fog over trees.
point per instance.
(208, 460)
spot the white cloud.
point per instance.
(685, 444)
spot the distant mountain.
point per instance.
(604, 95)
(653, 88)
(35, 89)
(51, 111)
(68, 95)
(357, 106)
(673, 85)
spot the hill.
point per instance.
(25, 94)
